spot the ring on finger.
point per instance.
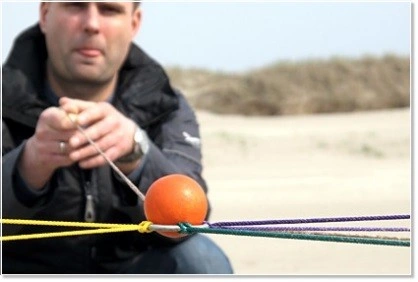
(62, 146)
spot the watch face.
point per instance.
(138, 135)
(137, 151)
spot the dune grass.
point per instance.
(305, 87)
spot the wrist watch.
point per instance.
(140, 147)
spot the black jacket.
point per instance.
(144, 94)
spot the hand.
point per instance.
(110, 130)
(43, 154)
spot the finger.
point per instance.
(68, 107)
(98, 160)
(50, 153)
(47, 134)
(55, 119)
(74, 105)
(54, 148)
(87, 112)
(89, 151)
(60, 148)
(94, 132)
(95, 113)
(72, 117)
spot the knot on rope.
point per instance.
(144, 227)
(185, 228)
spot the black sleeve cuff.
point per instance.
(27, 195)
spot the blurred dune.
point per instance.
(305, 87)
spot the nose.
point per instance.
(91, 20)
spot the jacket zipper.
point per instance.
(90, 209)
(89, 213)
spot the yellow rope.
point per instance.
(64, 223)
(143, 227)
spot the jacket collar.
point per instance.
(144, 90)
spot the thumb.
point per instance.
(74, 106)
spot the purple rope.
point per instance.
(292, 228)
(308, 220)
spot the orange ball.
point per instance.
(173, 199)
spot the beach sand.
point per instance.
(328, 165)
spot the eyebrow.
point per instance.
(113, 5)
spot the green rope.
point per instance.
(188, 229)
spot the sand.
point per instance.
(329, 165)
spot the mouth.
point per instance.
(89, 52)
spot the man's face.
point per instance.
(88, 41)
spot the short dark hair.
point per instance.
(136, 4)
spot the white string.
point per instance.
(172, 228)
(72, 117)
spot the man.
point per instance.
(80, 60)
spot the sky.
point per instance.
(238, 36)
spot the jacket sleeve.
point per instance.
(18, 201)
(180, 151)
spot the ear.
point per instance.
(136, 21)
(43, 11)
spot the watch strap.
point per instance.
(140, 146)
